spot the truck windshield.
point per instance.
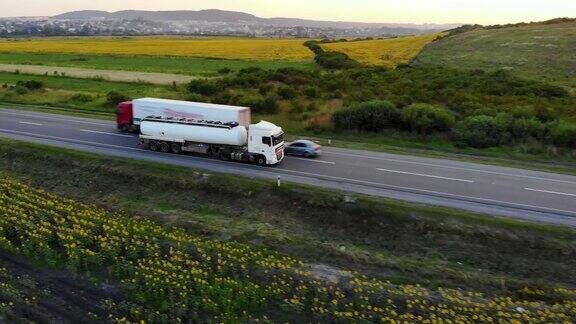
(277, 139)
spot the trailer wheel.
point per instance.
(224, 156)
(153, 145)
(261, 160)
(176, 148)
(123, 128)
(164, 147)
(213, 153)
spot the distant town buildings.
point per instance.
(27, 27)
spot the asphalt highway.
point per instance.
(492, 190)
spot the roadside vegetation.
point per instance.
(468, 108)
(321, 259)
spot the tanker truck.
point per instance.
(261, 143)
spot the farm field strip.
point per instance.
(170, 275)
(222, 48)
(122, 76)
(387, 52)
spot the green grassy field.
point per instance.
(63, 91)
(161, 64)
(543, 52)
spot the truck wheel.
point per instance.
(224, 156)
(153, 146)
(164, 147)
(213, 154)
(260, 160)
(123, 128)
(176, 148)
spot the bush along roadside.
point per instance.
(430, 101)
(478, 131)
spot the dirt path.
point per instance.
(127, 76)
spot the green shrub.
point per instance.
(335, 60)
(270, 105)
(194, 97)
(425, 118)
(265, 88)
(113, 98)
(549, 91)
(290, 76)
(287, 92)
(312, 107)
(225, 98)
(520, 125)
(372, 116)
(313, 46)
(296, 108)
(312, 92)
(527, 128)
(82, 97)
(480, 132)
(259, 103)
(564, 134)
(32, 85)
(20, 90)
(225, 70)
(203, 87)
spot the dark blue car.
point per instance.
(303, 148)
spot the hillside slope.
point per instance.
(545, 51)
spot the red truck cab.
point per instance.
(125, 117)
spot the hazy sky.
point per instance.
(419, 11)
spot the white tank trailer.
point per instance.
(260, 143)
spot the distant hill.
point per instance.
(543, 51)
(211, 15)
(214, 15)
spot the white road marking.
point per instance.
(551, 192)
(68, 119)
(105, 133)
(30, 123)
(70, 140)
(426, 175)
(449, 167)
(424, 191)
(311, 160)
(361, 182)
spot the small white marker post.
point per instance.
(329, 142)
(279, 181)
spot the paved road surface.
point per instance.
(529, 195)
(113, 75)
